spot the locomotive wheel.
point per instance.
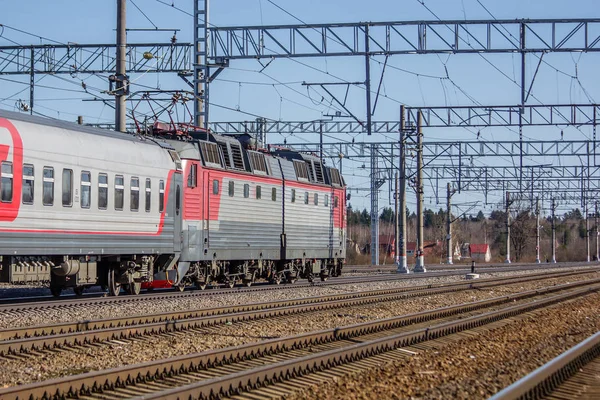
(180, 288)
(202, 284)
(78, 290)
(231, 284)
(311, 277)
(291, 278)
(277, 278)
(55, 290)
(324, 277)
(134, 288)
(114, 287)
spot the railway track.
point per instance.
(264, 368)
(16, 341)
(19, 340)
(20, 304)
(574, 374)
(462, 267)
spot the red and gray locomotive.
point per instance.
(81, 206)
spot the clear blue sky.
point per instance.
(243, 87)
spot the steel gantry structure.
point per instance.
(214, 47)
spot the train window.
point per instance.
(67, 187)
(231, 188)
(305, 197)
(102, 191)
(335, 202)
(316, 199)
(258, 192)
(148, 194)
(135, 194)
(28, 184)
(215, 186)
(326, 201)
(119, 192)
(193, 176)
(48, 186)
(86, 189)
(246, 190)
(293, 195)
(7, 181)
(274, 194)
(161, 196)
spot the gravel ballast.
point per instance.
(476, 368)
(128, 352)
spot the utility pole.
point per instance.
(587, 231)
(507, 261)
(449, 224)
(537, 230)
(553, 231)
(402, 266)
(201, 68)
(420, 263)
(368, 79)
(596, 229)
(374, 208)
(120, 78)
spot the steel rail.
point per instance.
(550, 376)
(99, 381)
(23, 339)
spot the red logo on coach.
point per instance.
(10, 210)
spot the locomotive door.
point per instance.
(206, 184)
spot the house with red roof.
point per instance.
(480, 252)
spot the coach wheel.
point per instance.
(180, 288)
(78, 290)
(324, 277)
(134, 288)
(55, 290)
(231, 283)
(310, 277)
(114, 287)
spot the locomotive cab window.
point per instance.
(134, 200)
(293, 195)
(119, 192)
(48, 186)
(67, 187)
(193, 176)
(102, 191)
(161, 196)
(86, 189)
(258, 192)
(28, 184)
(7, 182)
(274, 194)
(148, 194)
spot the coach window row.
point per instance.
(6, 189)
